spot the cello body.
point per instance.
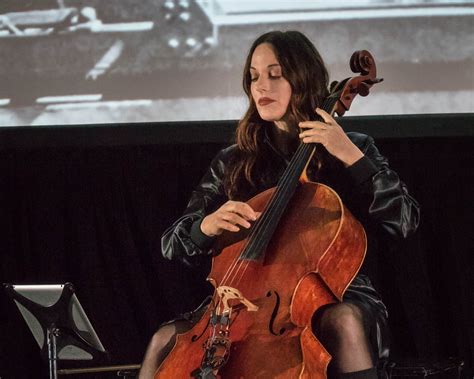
(316, 251)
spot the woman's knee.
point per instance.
(163, 337)
(342, 321)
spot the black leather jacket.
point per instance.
(369, 188)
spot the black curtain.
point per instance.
(93, 216)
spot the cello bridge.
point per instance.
(227, 293)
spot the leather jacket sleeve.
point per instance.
(378, 195)
(184, 240)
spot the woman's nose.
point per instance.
(262, 83)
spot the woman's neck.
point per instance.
(284, 136)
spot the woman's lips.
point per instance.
(265, 101)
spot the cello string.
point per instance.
(257, 227)
(261, 224)
(265, 218)
(269, 209)
(274, 202)
(266, 224)
(327, 106)
(291, 168)
(255, 230)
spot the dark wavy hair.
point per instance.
(303, 67)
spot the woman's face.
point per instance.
(270, 90)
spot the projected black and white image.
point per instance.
(65, 62)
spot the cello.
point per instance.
(300, 255)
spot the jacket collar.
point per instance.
(268, 141)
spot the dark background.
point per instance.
(88, 204)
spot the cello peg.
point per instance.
(363, 89)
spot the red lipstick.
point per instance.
(265, 101)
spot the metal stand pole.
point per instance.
(52, 353)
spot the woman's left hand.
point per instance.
(330, 134)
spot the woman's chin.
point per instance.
(270, 117)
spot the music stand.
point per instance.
(53, 314)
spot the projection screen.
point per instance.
(66, 62)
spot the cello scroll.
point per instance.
(361, 62)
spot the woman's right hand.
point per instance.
(230, 216)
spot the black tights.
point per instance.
(342, 330)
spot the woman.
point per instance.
(286, 82)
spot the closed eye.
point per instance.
(274, 77)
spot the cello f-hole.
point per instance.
(274, 314)
(195, 337)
